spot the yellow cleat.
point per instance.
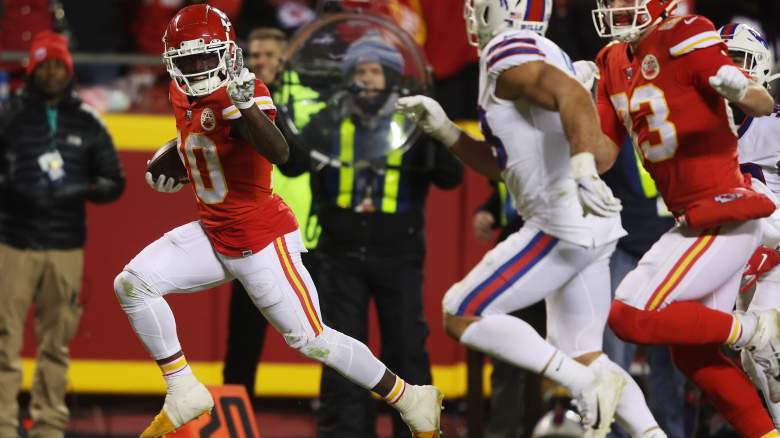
(180, 408)
(161, 425)
(420, 408)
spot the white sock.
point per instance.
(632, 411)
(351, 358)
(742, 329)
(514, 341)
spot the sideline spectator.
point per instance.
(372, 242)
(55, 154)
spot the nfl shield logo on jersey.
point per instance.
(650, 67)
(207, 120)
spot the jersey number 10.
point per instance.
(207, 175)
(657, 121)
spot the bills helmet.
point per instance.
(486, 18)
(750, 51)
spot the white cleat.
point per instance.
(180, 407)
(597, 404)
(420, 408)
(767, 328)
(767, 360)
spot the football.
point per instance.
(166, 161)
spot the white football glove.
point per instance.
(427, 113)
(586, 72)
(730, 82)
(594, 194)
(241, 86)
(163, 184)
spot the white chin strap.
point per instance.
(205, 86)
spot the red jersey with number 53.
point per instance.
(232, 181)
(660, 94)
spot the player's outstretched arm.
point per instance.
(547, 86)
(749, 96)
(430, 116)
(253, 125)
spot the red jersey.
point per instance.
(660, 93)
(232, 181)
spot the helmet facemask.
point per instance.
(470, 15)
(199, 69)
(750, 51)
(628, 23)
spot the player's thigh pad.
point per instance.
(182, 260)
(687, 264)
(281, 287)
(577, 312)
(517, 273)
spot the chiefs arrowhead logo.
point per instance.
(650, 67)
(207, 120)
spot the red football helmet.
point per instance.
(198, 41)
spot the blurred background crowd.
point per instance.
(102, 30)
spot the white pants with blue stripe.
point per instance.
(530, 266)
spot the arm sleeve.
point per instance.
(262, 99)
(106, 176)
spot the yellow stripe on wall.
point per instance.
(273, 379)
(146, 133)
(140, 132)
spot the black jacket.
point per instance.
(346, 231)
(36, 213)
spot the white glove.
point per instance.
(164, 184)
(594, 194)
(730, 82)
(586, 72)
(427, 113)
(241, 85)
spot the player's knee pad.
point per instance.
(325, 348)
(130, 290)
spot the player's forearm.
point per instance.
(757, 101)
(582, 127)
(478, 155)
(260, 132)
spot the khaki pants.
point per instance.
(51, 280)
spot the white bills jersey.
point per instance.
(759, 154)
(532, 149)
(759, 143)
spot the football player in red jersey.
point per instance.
(228, 142)
(663, 81)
